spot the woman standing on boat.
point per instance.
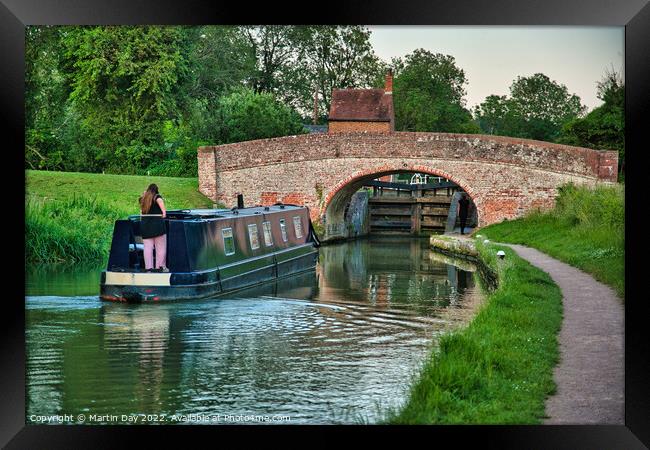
(152, 227)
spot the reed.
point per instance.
(70, 231)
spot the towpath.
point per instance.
(590, 375)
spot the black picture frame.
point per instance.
(633, 14)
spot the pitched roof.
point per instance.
(365, 105)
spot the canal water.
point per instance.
(338, 345)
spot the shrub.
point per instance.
(592, 207)
(247, 115)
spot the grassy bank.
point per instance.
(116, 191)
(499, 369)
(585, 230)
(69, 217)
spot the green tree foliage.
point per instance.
(541, 106)
(492, 114)
(428, 93)
(180, 146)
(221, 59)
(329, 57)
(298, 62)
(604, 127)
(141, 99)
(45, 93)
(537, 108)
(247, 115)
(124, 81)
(274, 49)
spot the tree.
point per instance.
(542, 106)
(247, 115)
(45, 93)
(329, 57)
(492, 114)
(124, 82)
(604, 127)
(428, 93)
(220, 59)
(536, 109)
(138, 99)
(274, 49)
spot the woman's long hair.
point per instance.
(146, 201)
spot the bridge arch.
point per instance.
(334, 204)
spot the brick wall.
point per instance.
(346, 127)
(207, 172)
(504, 176)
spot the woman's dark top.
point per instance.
(150, 227)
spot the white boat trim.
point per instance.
(137, 279)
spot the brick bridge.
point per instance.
(505, 177)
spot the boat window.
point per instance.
(283, 228)
(228, 241)
(254, 237)
(268, 239)
(297, 226)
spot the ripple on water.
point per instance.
(61, 303)
(338, 347)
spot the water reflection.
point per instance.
(390, 272)
(148, 328)
(70, 280)
(335, 345)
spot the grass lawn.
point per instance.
(69, 217)
(586, 230)
(118, 191)
(498, 370)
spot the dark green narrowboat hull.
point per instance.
(203, 263)
(141, 294)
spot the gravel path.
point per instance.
(590, 375)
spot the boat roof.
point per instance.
(190, 214)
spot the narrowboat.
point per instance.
(211, 252)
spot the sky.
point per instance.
(493, 56)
